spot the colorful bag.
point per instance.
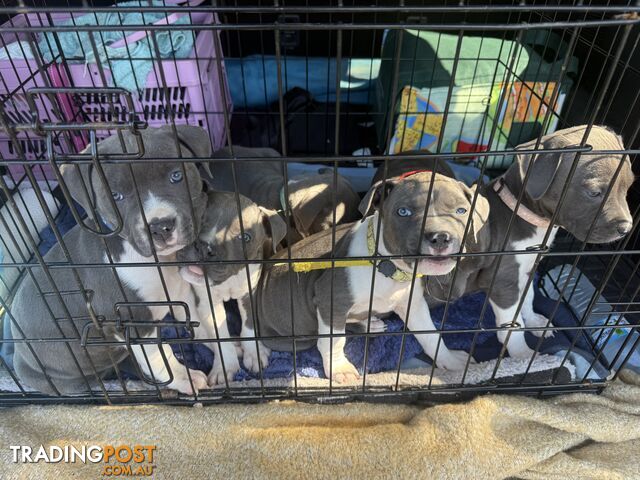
(423, 81)
(471, 118)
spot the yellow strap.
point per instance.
(302, 267)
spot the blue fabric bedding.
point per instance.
(384, 350)
(255, 79)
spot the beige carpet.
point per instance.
(578, 436)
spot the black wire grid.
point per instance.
(604, 37)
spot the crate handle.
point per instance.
(188, 324)
(42, 128)
(134, 37)
(65, 103)
(85, 343)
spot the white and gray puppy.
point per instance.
(320, 298)
(222, 239)
(311, 196)
(582, 207)
(59, 303)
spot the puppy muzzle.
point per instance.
(603, 233)
(438, 261)
(211, 274)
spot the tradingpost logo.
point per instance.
(117, 460)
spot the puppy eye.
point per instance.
(176, 176)
(461, 211)
(404, 212)
(117, 196)
(594, 193)
(209, 250)
(246, 237)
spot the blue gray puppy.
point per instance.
(58, 304)
(547, 176)
(324, 305)
(221, 238)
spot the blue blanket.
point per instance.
(384, 350)
(253, 80)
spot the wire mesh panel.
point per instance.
(243, 201)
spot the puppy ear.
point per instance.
(304, 210)
(543, 172)
(480, 211)
(275, 227)
(196, 139)
(545, 166)
(373, 199)
(79, 182)
(196, 142)
(312, 198)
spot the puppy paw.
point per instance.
(182, 384)
(520, 351)
(453, 359)
(250, 355)
(342, 371)
(536, 320)
(377, 325)
(216, 375)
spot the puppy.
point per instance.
(401, 215)
(222, 239)
(63, 304)
(548, 176)
(311, 197)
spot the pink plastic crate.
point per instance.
(193, 85)
(17, 76)
(193, 88)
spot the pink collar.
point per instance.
(500, 187)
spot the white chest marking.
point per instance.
(235, 287)
(389, 295)
(525, 262)
(147, 283)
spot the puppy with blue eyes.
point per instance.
(222, 239)
(324, 302)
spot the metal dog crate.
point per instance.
(588, 58)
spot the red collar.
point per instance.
(413, 172)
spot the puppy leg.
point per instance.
(332, 352)
(153, 366)
(229, 355)
(517, 346)
(421, 320)
(252, 355)
(376, 325)
(533, 319)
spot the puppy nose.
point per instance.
(205, 250)
(624, 227)
(162, 228)
(438, 240)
